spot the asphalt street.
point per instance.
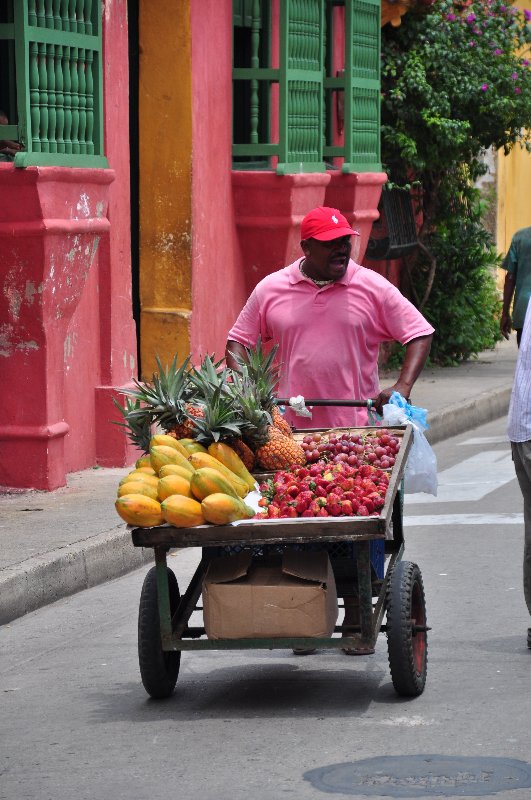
(76, 721)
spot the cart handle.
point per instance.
(282, 401)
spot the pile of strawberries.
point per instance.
(324, 490)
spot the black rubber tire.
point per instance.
(158, 669)
(407, 649)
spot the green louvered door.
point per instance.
(362, 86)
(59, 82)
(301, 124)
(305, 141)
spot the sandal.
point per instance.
(352, 651)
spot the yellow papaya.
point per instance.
(162, 454)
(173, 484)
(199, 460)
(207, 481)
(224, 453)
(220, 509)
(183, 512)
(137, 475)
(143, 461)
(164, 439)
(139, 510)
(175, 469)
(193, 446)
(147, 470)
(137, 487)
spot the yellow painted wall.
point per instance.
(165, 144)
(514, 197)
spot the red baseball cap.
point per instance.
(325, 224)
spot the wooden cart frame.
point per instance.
(164, 630)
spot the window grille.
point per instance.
(51, 51)
(308, 90)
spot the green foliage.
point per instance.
(456, 82)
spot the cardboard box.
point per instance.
(290, 595)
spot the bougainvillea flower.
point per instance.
(484, 87)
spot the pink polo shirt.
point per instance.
(328, 337)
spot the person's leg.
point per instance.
(522, 465)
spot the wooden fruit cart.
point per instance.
(396, 594)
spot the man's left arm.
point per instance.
(417, 352)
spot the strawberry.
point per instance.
(346, 508)
(363, 511)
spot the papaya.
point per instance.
(147, 470)
(136, 476)
(162, 454)
(220, 509)
(166, 440)
(199, 460)
(139, 510)
(224, 453)
(137, 487)
(143, 461)
(207, 481)
(193, 446)
(183, 512)
(174, 484)
(175, 469)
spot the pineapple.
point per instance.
(168, 400)
(272, 449)
(264, 373)
(222, 418)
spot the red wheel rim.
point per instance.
(418, 639)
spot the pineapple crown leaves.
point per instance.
(261, 370)
(255, 420)
(167, 394)
(136, 422)
(206, 378)
(220, 421)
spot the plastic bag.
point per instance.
(420, 474)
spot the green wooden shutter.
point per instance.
(362, 86)
(301, 86)
(58, 82)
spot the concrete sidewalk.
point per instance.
(53, 544)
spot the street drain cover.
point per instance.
(422, 776)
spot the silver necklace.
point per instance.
(313, 280)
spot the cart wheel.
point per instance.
(407, 648)
(158, 669)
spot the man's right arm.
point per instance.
(234, 349)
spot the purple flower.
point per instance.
(527, 14)
(450, 17)
(471, 18)
(484, 87)
(514, 76)
(503, 8)
(525, 62)
(498, 52)
(472, 44)
(517, 90)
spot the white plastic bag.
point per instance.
(420, 474)
(421, 468)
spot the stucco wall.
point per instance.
(218, 287)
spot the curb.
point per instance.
(461, 417)
(42, 580)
